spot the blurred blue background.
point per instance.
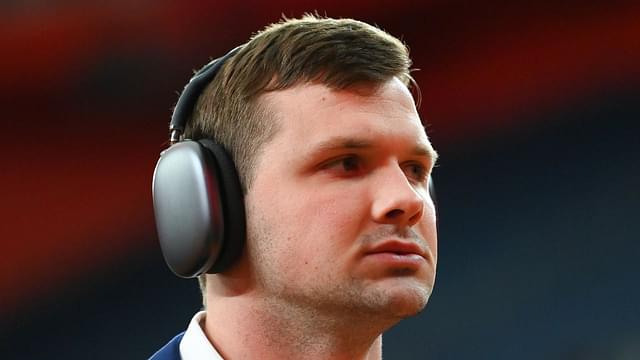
(534, 108)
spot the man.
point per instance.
(334, 165)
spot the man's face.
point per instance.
(339, 215)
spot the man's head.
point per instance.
(339, 218)
(334, 163)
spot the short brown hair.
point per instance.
(339, 53)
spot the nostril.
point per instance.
(394, 213)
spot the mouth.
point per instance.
(397, 247)
(397, 253)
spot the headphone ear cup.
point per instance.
(189, 204)
(232, 201)
(432, 191)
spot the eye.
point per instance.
(416, 172)
(349, 165)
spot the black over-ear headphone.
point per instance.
(197, 197)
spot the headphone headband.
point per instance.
(191, 93)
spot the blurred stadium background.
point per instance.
(534, 107)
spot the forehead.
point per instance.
(310, 114)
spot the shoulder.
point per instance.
(170, 351)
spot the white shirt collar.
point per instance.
(194, 344)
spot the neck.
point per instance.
(247, 325)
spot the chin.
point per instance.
(404, 300)
(409, 303)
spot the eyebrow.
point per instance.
(426, 151)
(342, 143)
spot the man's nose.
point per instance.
(396, 200)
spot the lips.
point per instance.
(397, 247)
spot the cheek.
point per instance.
(319, 224)
(308, 221)
(336, 213)
(429, 230)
